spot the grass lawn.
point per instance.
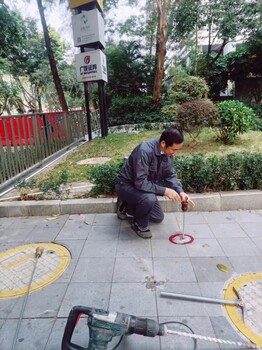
(118, 146)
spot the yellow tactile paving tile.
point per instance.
(17, 264)
(248, 320)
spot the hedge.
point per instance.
(198, 173)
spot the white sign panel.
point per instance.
(91, 66)
(88, 27)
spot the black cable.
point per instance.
(117, 345)
(185, 325)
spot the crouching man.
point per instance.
(140, 181)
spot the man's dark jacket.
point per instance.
(146, 168)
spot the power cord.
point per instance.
(185, 325)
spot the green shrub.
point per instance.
(104, 177)
(194, 115)
(187, 89)
(132, 110)
(237, 171)
(198, 173)
(169, 112)
(258, 119)
(234, 118)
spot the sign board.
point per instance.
(88, 27)
(77, 3)
(91, 66)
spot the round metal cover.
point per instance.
(248, 319)
(17, 265)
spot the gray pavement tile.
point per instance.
(202, 247)
(133, 298)
(231, 229)
(67, 274)
(6, 306)
(239, 247)
(173, 307)
(87, 294)
(192, 218)
(33, 334)
(161, 231)
(6, 246)
(206, 269)
(75, 247)
(94, 270)
(224, 330)
(171, 219)
(199, 230)
(106, 219)
(80, 335)
(15, 234)
(47, 234)
(199, 324)
(126, 233)
(104, 232)
(5, 222)
(245, 264)
(134, 249)
(218, 217)
(41, 304)
(246, 216)
(166, 249)
(212, 290)
(52, 221)
(174, 270)
(258, 243)
(132, 269)
(55, 338)
(252, 229)
(74, 230)
(99, 249)
(82, 218)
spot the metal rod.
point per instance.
(183, 227)
(38, 254)
(201, 299)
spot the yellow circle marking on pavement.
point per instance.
(248, 320)
(17, 265)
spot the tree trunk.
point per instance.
(51, 58)
(162, 6)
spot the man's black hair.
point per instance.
(172, 135)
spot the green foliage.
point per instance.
(187, 89)
(258, 118)
(128, 72)
(237, 171)
(247, 58)
(198, 173)
(194, 115)
(234, 118)
(130, 110)
(53, 184)
(104, 177)
(169, 112)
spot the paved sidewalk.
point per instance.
(112, 268)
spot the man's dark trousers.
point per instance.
(143, 206)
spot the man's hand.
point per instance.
(172, 194)
(185, 198)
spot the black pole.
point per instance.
(88, 115)
(102, 107)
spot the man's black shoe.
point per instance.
(121, 209)
(141, 232)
